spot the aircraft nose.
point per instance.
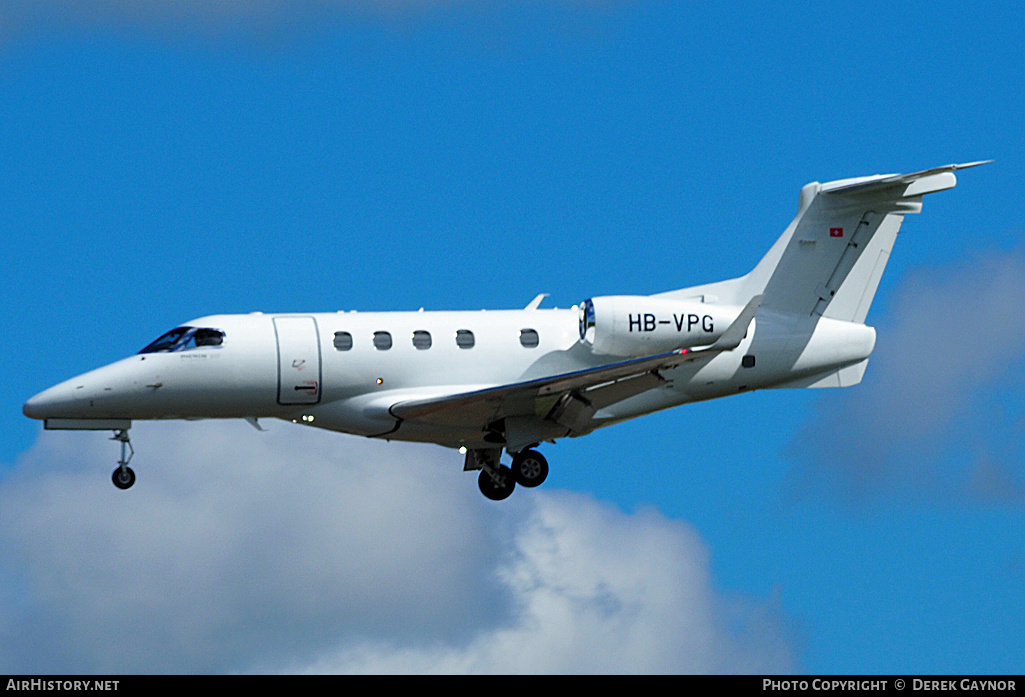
(106, 392)
(47, 403)
(33, 408)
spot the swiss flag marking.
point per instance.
(836, 232)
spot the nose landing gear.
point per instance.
(123, 476)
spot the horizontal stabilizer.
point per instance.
(867, 185)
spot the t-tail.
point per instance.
(821, 275)
(829, 260)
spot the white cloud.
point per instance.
(301, 550)
(597, 591)
(937, 415)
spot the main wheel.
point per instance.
(499, 488)
(530, 468)
(123, 477)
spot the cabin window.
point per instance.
(464, 339)
(421, 340)
(382, 341)
(343, 341)
(528, 338)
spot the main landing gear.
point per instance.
(123, 476)
(497, 481)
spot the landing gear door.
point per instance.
(299, 373)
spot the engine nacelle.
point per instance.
(638, 325)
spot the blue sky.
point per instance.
(162, 164)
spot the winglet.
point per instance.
(736, 332)
(533, 304)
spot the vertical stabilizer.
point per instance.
(829, 260)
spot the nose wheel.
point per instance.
(123, 476)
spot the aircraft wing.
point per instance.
(568, 399)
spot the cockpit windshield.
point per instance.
(184, 338)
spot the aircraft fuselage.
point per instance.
(342, 371)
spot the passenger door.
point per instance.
(299, 372)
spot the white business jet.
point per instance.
(484, 382)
